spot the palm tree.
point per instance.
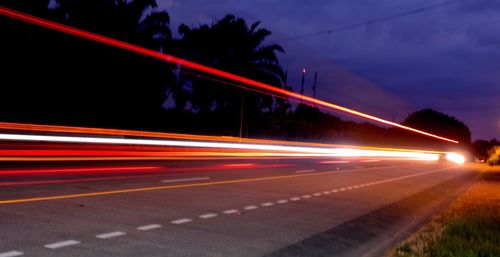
(231, 45)
(132, 85)
(121, 19)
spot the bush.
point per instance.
(494, 156)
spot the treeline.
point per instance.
(52, 78)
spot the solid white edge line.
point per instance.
(149, 227)
(61, 244)
(11, 254)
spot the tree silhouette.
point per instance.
(232, 45)
(440, 124)
(120, 19)
(75, 81)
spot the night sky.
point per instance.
(446, 58)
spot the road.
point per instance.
(288, 207)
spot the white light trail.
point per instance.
(292, 150)
(455, 157)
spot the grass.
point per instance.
(470, 227)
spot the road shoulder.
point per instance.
(373, 233)
(470, 226)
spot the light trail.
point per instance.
(137, 133)
(198, 67)
(77, 170)
(455, 157)
(280, 149)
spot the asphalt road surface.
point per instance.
(220, 208)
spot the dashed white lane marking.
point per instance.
(11, 254)
(61, 244)
(149, 227)
(356, 186)
(335, 190)
(184, 179)
(317, 194)
(343, 189)
(111, 234)
(306, 196)
(305, 171)
(282, 201)
(267, 204)
(208, 216)
(349, 187)
(250, 207)
(181, 221)
(296, 198)
(232, 211)
(326, 192)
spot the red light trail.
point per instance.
(202, 68)
(73, 170)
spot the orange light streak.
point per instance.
(239, 165)
(198, 67)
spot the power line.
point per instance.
(369, 22)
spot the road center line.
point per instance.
(184, 179)
(11, 254)
(61, 244)
(110, 235)
(149, 227)
(145, 189)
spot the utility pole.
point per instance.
(302, 84)
(314, 86)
